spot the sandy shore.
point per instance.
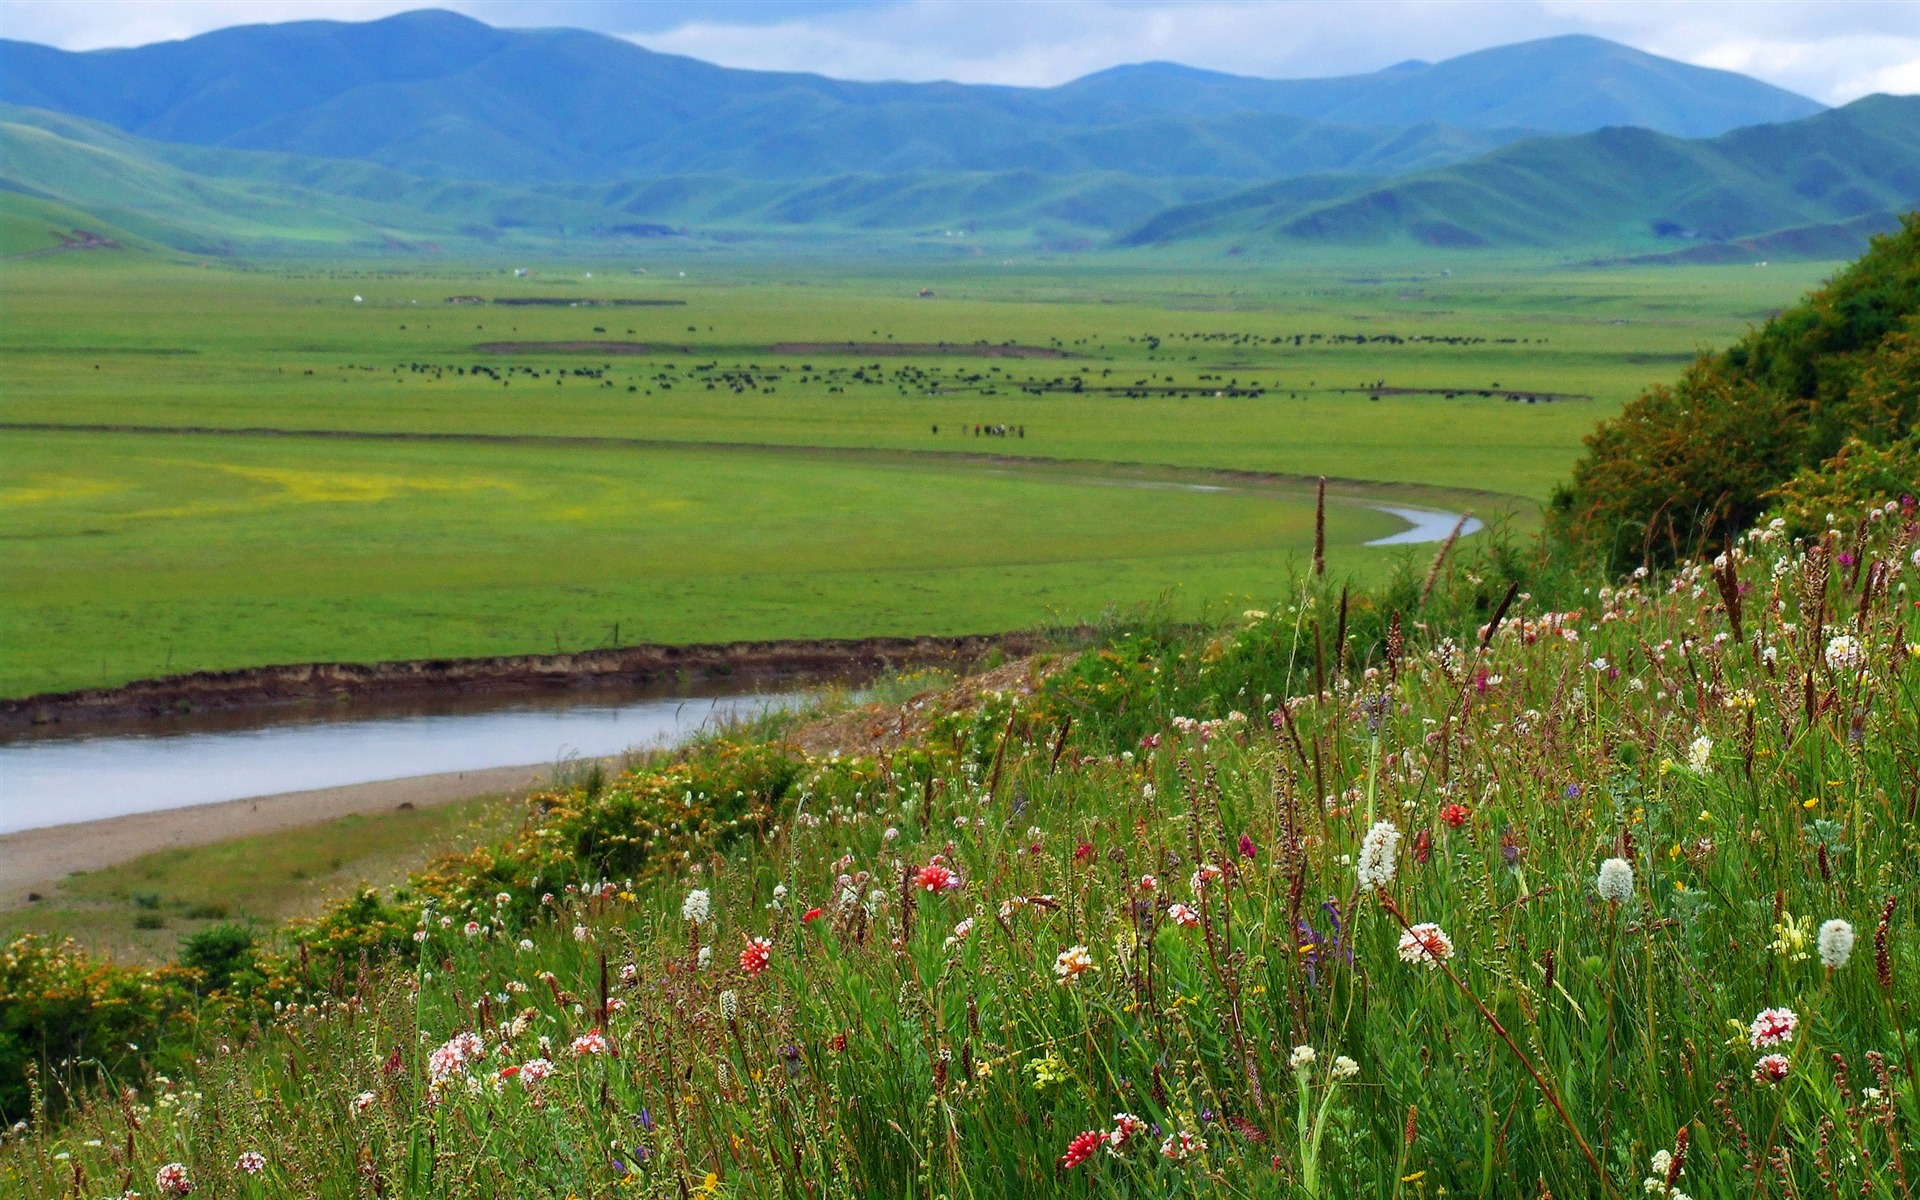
(36, 860)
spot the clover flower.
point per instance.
(1072, 963)
(1772, 1027)
(756, 956)
(1427, 944)
(534, 1071)
(251, 1161)
(1700, 754)
(590, 1042)
(936, 877)
(1615, 883)
(171, 1180)
(1771, 1069)
(1377, 855)
(696, 907)
(1083, 1147)
(1836, 943)
(1844, 653)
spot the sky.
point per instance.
(1831, 50)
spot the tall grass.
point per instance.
(1307, 903)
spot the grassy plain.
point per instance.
(718, 488)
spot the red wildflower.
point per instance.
(811, 915)
(1455, 814)
(1083, 853)
(756, 956)
(936, 877)
(1082, 1148)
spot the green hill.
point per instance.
(31, 227)
(1812, 186)
(213, 200)
(437, 94)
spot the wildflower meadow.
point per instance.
(1441, 890)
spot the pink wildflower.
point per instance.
(252, 1162)
(590, 1042)
(1771, 1069)
(1772, 1027)
(1183, 916)
(171, 1180)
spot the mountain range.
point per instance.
(430, 127)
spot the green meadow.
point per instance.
(214, 465)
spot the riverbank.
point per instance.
(742, 666)
(37, 861)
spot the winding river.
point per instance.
(62, 780)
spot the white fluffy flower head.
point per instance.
(1836, 944)
(696, 907)
(1379, 851)
(1616, 881)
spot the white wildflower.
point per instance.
(1836, 943)
(1378, 851)
(1700, 754)
(1616, 881)
(696, 907)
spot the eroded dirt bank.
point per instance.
(747, 664)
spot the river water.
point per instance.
(60, 780)
(57, 781)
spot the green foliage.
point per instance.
(68, 1021)
(1684, 466)
(1860, 476)
(218, 952)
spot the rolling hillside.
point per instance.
(436, 94)
(211, 200)
(1816, 186)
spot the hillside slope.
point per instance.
(1855, 167)
(433, 93)
(1683, 467)
(216, 200)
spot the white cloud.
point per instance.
(92, 24)
(1833, 50)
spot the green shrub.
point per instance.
(1685, 467)
(75, 1020)
(217, 953)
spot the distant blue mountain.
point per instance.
(433, 93)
